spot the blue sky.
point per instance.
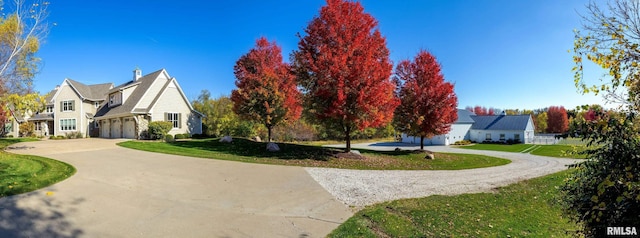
(499, 53)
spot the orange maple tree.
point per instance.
(557, 119)
(428, 104)
(267, 91)
(344, 69)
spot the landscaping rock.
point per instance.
(257, 139)
(429, 155)
(357, 152)
(397, 149)
(273, 147)
(226, 139)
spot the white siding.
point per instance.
(153, 90)
(458, 132)
(171, 101)
(480, 135)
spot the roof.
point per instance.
(42, 117)
(49, 97)
(94, 92)
(464, 117)
(144, 83)
(500, 122)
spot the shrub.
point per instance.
(27, 129)
(179, 136)
(60, 137)
(186, 135)
(52, 137)
(168, 138)
(10, 136)
(74, 135)
(462, 142)
(158, 129)
(604, 190)
(198, 136)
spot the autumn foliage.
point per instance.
(482, 111)
(267, 91)
(344, 68)
(557, 120)
(428, 104)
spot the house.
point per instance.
(130, 107)
(102, 110)
(70, 108)
(482, 128)
(12, 124)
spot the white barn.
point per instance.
(482, 128)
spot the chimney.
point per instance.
(137, 74)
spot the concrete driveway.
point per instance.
(119, 192)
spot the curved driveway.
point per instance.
(119, 192)
(362, 187)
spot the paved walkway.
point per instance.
(119, 192)
(360, 188)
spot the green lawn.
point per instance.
(25, 173)
(560, 150)
(498, 147)
(563, 151)
(244, 150)
(527, 208)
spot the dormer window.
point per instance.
(96, 104)
(49, 109)
(112, 99)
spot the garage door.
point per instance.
(115, 129)
(104, 130)
(129, 128)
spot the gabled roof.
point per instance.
(500, 122)
(49, 97)
(42, 117)
(94, 92)
(143, 84)
(464, 117)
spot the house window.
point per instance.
(112, 99)
(67, 106)
(516, 137)
(488, 136)
(174, 118)
(502, 137)
(49, 109)
(96, 104)
(38, 126)
(67, 124)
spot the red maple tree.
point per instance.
(267, 90)
(482, 111)
(557, 120)
(343, 66)
(428, 104)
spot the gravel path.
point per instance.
(366, 187)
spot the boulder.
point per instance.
(355, 152)
(257, 139)
(397, 149)
(273, 147)
(429, 155)
(226, 139)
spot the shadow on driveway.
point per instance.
(37, 214)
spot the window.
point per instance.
(67, 124)
(67, 106)
(96, 104)
(49, 109)
(488, 136)
(174, 118)
(516, 137)
(502, 137)
(38, 126)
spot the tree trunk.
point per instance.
(422, 142)
(269, 133)
(348, 140)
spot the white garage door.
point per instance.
(104, 130)
(129, 128)
(115, 129)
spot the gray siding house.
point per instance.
(130, 107)
(102, 110)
